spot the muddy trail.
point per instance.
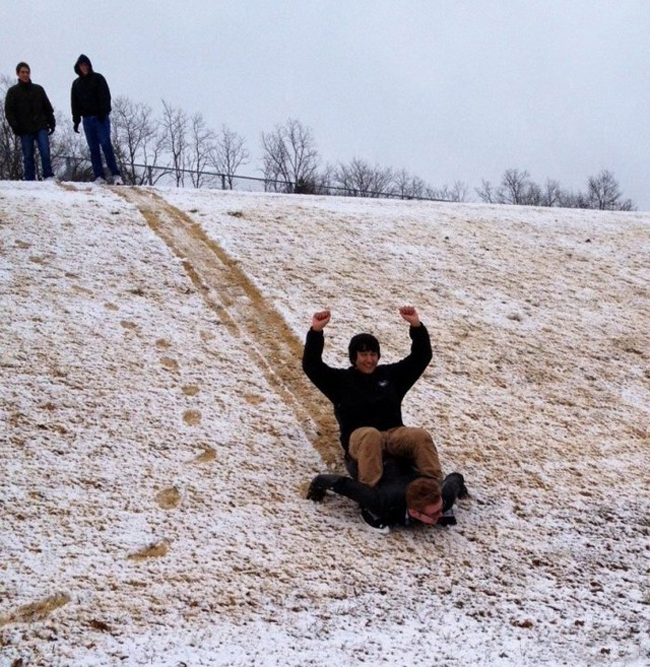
(227, 290)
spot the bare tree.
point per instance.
(230, 154)
(137, 140)
(552, 193)
(604, 193)
(516, 187)
(175, 140)
(486, 192)
(573, 200)
(457, 192)
(407, 186)
(201, 150)
(360, 179)
(289, 156)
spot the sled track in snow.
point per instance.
(227, 290)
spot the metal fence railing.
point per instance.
(151, 174)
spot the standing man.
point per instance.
(31, 117)
(367, 398)
(91, 100)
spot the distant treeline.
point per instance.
(183, 148)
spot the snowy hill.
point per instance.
(158, 434)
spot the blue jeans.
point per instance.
(98, 133)
(27, 141)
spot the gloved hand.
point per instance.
(75, 127)
(51, 130)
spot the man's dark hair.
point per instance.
(421, 493)
(363, 342)
(20, 65)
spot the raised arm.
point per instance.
(324, 377)
(409, 369)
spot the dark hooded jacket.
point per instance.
(28, 110)
(90, 95)
(361, 399)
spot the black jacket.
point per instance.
(387, 500)
(367, 400)
(28, 110)
(90, 94)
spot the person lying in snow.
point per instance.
(367, 398)
(400, 497)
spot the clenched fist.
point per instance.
(409, 314)
(320, 319)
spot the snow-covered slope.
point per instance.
(158, 433)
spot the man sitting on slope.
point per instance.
(367, 398)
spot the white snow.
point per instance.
(158, 434)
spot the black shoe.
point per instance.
(319, 486)
(374, 523)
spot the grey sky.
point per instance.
(448, 89)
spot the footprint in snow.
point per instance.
(206, 456)
(168, 498)
(170, 364)
(156, 550)
(35, 611)
(192, 417)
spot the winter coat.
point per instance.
(90, 94)
(28, 110)
(387, 500)
(362, 399)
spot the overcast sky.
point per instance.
(448, 89)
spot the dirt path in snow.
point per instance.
(228, 291)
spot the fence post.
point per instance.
(150, 175)
(223, 181)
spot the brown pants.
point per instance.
(368, 445)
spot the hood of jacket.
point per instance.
(82, 59)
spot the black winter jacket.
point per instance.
(361, 399)
(387, 500)
(27, 108)
(90, 94)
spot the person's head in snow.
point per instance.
(424, 500)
